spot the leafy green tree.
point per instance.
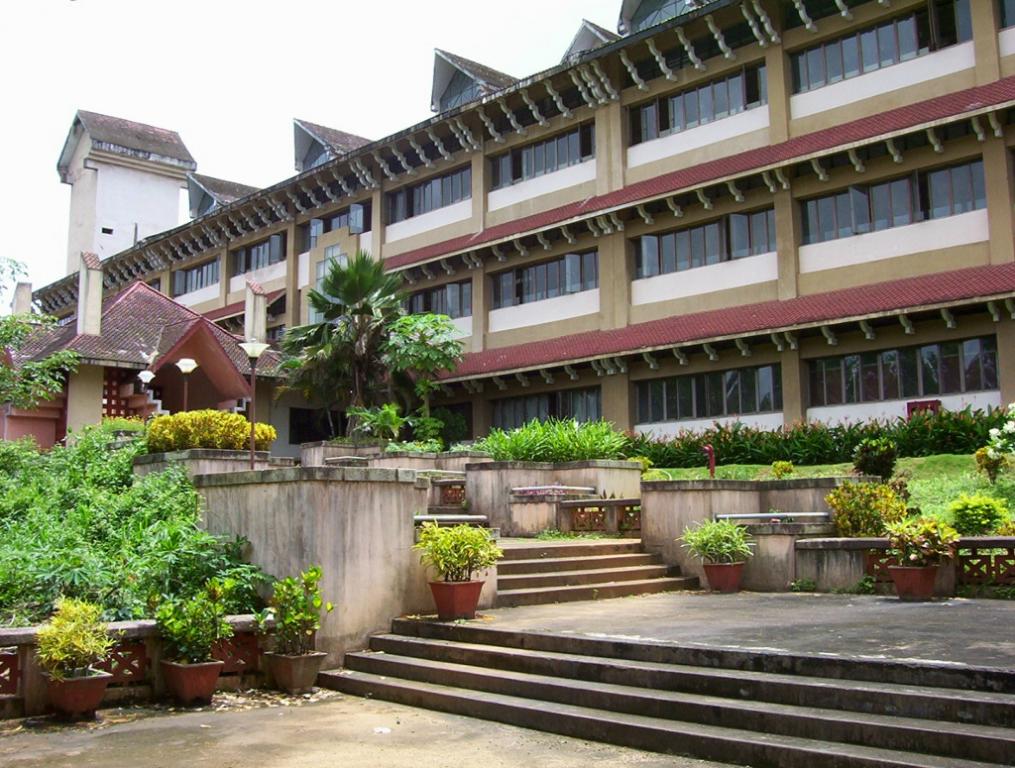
(423, 346)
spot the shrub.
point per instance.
(191, 627)
(414, 446)
(864, 509)
(781, 469)
(295, 607)
(718, 541)
(455, 426)
(555, 440)
(803, 585)
(206, 429)
(457, 552)
(73, 640)
(875, 457)
(383, 421)
(921, 541)
(1006, 528)
(990, 462)
(978, 514)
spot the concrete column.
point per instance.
(794, 408)
(21, 303)
(255, 313)
(610, 147)
(614, 281)
(478, 191)
(292, 278)
(780, 87)
(787, 235)
(482, 414)
(84, 397)
(224, 277)
(997, 168)
(89, 320)
(377, 222)
(616, 400)
(481, 303)
(986, 23)
(1006, 359)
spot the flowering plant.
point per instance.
(921, 542)
(1002, 439)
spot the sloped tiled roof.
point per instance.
(339, 142)
(221, 190)
(862, 129)
(486, 76)
(958, 286)
(589, 37)
(136, 136)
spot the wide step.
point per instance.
(598, 591)
(579, 577)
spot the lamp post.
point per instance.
(253, 350)
(146, 377)
(187, 366)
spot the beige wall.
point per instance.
(84, 397)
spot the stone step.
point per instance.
(446, 509)
(480, 521)
(599, 591)
(592, 548)
(448, 481)
(626, 559)
(583, 576)
(923, 702)
(984, 743)
(734, 745)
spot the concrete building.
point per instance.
(768, 211)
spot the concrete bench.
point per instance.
(617, 517)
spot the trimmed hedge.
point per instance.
(206, 429)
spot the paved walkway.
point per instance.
(337, 732)
(975, 632)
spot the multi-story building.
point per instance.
(765, 210)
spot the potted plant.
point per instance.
(723, 547)
(74, 640)
(295, 610)
(456, 553)
(191, 629)
(919, 545)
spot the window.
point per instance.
(710, 395)
(731, 237)
(107, 230)
(332, 255)
(745, 89)
(357, 215)
(430, 195)
(652, 12)
(894, 203)
(578, 404)
(461, 90)
(308, 425)
(572, 273)
(453, 300)
(259, 255)
(940, 24)
(195, 278)
(892, 374)
(543, 157)
(275, 333)
(1007, 13)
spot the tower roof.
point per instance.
(219, 191)
(332, 141)
(446, 64)
(588, 37)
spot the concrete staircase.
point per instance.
(743, 707)
(447, 502)
(535, 572)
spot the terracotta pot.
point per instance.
(190, 683)
(724, 577)
(295, 674)
(456, 599)
(77, 697)
(913, 584)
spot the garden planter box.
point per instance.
(839, 563)
(191, 683)
(314, 454)
(77, 697)
(201, 461)
(724, 577)
(295, 674)
(446, 461)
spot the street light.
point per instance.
(187, 366)
(146, 377)
(253, 349)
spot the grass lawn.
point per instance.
(935, 481)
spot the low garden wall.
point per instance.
(773, 566)
(356, 523)
(314, 454)
(201, 461)
(445, 461)
(134, 664)
(488, 484)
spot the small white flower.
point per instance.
(994, 433)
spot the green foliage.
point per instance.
(76, 522)
(552, 534)
(781, 469)
(803, 585)
(457, 552)
(864, 509)
(455, 427)
(29, 382)
(655, 474)
(295, 607)
(206, 429)
(978, 515)
(875, 457)
(990, 462)
(1007, 528)
(644, 461)
(921, 541)
(73, 640)
(866, 586)
(423, 346)
(426, 428)
(718, 541)
(384, 421)
(192, 626)
(555, 440)
(414, 446)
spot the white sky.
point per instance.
(229, 76)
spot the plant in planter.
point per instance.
(456, 553)
(723, 547)
(295, 609)
(919, 545)
(72, 642)
(191, 629)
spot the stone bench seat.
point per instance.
(553, 490)
(781, 516)
(594, 502)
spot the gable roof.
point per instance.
(588, 37)
(125, 137)
(337, 143)
(221, 191)
(445, 65)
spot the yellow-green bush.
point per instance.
(206, 429)
(865, 509)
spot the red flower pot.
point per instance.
(190, 683)
(77, 697)
(295, 674)
(914, 583)
(724, 577)
(456, 599)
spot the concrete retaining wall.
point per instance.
(314, 454)
(201, 461)
(839, 564)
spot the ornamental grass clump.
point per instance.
(921, 542)
(457, 552)
(978, 514)
(718, 541)
(295, 609)
(73, 640)
(555, 440)
(862, 510)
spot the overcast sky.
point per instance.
(230, 75)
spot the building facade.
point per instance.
(760, 210)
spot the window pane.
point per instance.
(712, 243)
(740, 243)
(672, 406)
(691, 109)
(731, 384)
(951, 368)
(697, 246)
(656, 400)
(683, 240)
(851, 376)
(667, 254)
(590, 271)
(869, 50)
(870, 388)
(833, 382)
(685, 397)
(979, 190)
(816, 67)
(881, 203)
(648, 258)
(908, 44)
(962, 189)
(940, 194)
(761, 236)
(890, 374)
(988, 354)
(736, 93)
(850, 56)
(860, 206)
(748, 390)
(972, 364)
(553, 279)
(833, 62)
(908, 372)
(800, 80)
(715, 394)
(706, 108)
(886, 45)
(901, 204)
(929, 369)
(720, 95)
(767, 389)
(826, 217)
(573, 272)
(551, 155)
(843, 214)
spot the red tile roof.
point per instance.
(909, 293)
(863, 129)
